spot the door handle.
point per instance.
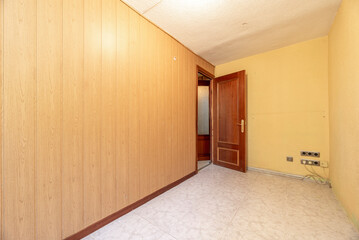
(242, 125)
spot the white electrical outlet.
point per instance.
(310, 162)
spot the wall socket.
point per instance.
(310, 162)
(289, 159)
(310, 154)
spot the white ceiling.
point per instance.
(224, 30)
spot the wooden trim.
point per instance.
(210, 119)
(196, 133)
(244, 138)
(228, 149)
(226, 142)
(92, 228)
(204, 72)
(211, 76)
(204, 82)
(203, 78)
(168, 35)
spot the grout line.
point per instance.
(155, 225)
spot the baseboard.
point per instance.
(267, 171)
(92, 228)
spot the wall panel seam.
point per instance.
(2, 24)
(35, 126)
(115, 107)
(62, 114)
(83, 112)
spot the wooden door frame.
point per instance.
(211, 76)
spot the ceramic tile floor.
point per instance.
(202, 164)
(222, 204)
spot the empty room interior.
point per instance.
(179, 120)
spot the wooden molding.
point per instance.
(92, 228)
(199, 83)
(204, 82)
(204, 72)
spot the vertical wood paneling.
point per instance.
(167, 148)
(153, 110)
(92, 110)
(187, 79)
(108, 121)
(72, 154)
(48, 122)
(96, 113)
(161, 104)
(1, 106)
(144, 108)
(19, 119)
(193, 110)
(134, 123)
(181, 111)
(122, 105)
(175, 106)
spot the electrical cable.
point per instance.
(326, 175)
(317, 177)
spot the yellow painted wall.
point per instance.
(287, 104)
(344, 106)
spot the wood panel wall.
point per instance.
(96, 113)
(1, 103)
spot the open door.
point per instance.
(229, 121)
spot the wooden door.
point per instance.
(229, 116)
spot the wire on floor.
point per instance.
(319, 179)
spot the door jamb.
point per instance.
(211, 76)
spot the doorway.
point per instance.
(204, 113)
(221, 120)
(229, 121)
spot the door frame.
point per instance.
(211, 76)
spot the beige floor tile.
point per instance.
(222, 204)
